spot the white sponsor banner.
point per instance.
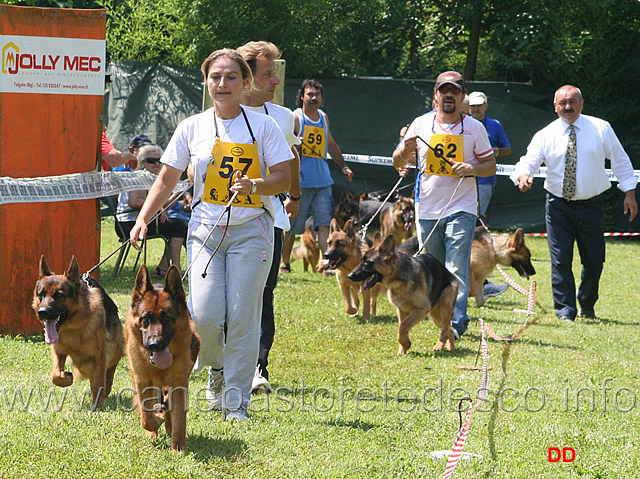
(502, 170)
(52, 65)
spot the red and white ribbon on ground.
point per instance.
(544, 235)
(458, 446)
(461, 439)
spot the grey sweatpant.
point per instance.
(230, 293)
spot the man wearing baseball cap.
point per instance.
(452, 149)
(478, 105)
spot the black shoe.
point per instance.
(587, 314)
(566, 319)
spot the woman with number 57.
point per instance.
(231, 150)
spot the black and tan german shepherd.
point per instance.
(399, 220)
(162, 347)
(344, 252)
(488, 250)
(80, 321)
(348, 208)
(416, 285)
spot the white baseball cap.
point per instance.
(477, 98)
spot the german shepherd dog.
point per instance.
(348, 208)
(162, 347)
(344, 252)
(399, 221)
(309, 250)
(81, 321)
(416, 285)
(488, 250)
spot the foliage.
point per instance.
(547, 43)
(54, 3)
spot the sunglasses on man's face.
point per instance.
(151, 161)
(449, 88)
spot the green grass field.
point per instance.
(345, 406)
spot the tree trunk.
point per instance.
(475, 26)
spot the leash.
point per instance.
(227, 209)
(440, 156)
(455, 190)
(124, 243)
(363, 231)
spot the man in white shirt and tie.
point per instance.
(574, 148)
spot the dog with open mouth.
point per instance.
(416, 285)
(399, 220)
(344, 252)
(162, 347)
(80, 321)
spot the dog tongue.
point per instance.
(407, 226)
(50, 332)
(162, 359)
(325, 262)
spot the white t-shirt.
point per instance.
(436, 191)
(193, 140)
(284, 118)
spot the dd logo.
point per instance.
(568, 454)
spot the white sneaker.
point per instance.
(239, 414)
(260, 383)
(215, 389)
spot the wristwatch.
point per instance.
(294, 198)
(254, 188)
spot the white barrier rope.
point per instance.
(77, 186)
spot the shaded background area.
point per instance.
(365, 115)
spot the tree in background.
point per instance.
(590, 43)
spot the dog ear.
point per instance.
(377, 239)
(349, 229)
(73, 271)
(143, 282)
(44, 268)
(333, 226)
(517, 241)
(388, 246)
(364, 195)
(173, 284)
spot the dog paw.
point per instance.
(402, 350)
(63, 380)
(352, 311)
(438, 346)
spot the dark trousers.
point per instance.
(570, 222)
(267, 324)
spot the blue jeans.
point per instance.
(485, 192)
(316, 202)
(450, 243)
